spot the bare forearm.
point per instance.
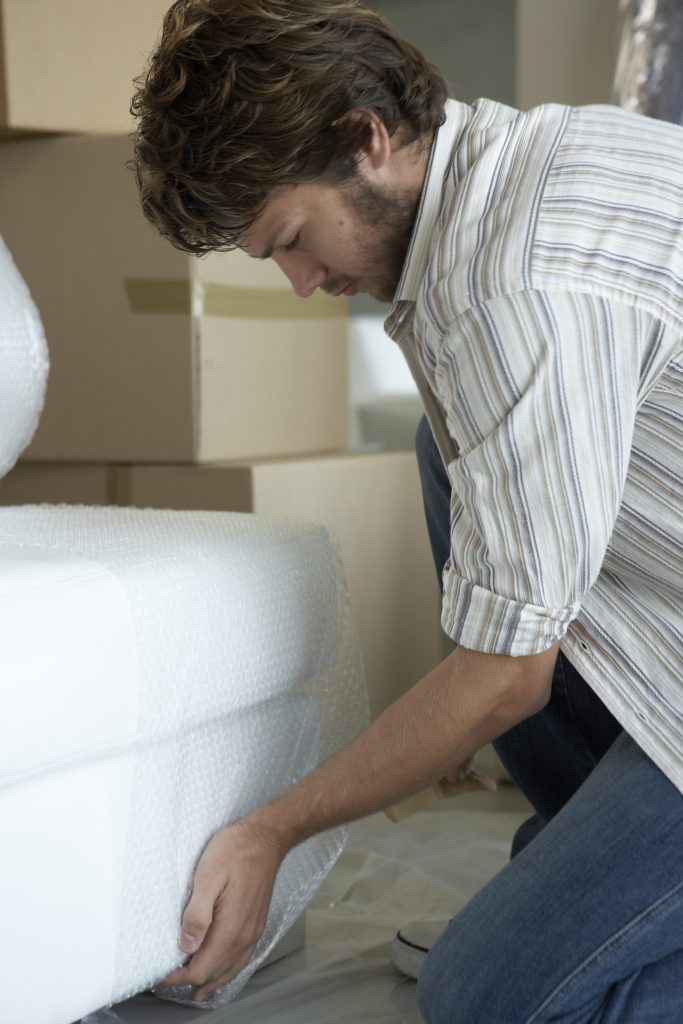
(463, 703)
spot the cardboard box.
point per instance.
(158, 356)
(69, 65)
(56, 484)
(371, 503)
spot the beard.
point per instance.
(385, 227)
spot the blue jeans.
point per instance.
(585, 923)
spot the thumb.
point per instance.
(196, 920)
(189, 943)
(208, 883)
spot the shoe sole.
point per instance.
(407, 957)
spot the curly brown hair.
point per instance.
(243, 96)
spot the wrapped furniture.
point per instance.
(162, 674)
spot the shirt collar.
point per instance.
(440, 162)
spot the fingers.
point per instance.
(222, 956)
(209, 988)
(460, 773)
(209, 882)
(197, 918)
(227, 912)
(228, 947)
(202, 971)
(180, 977)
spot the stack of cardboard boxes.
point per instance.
(178, 382)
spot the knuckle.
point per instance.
(195, 926)
(198, 977)
(195, 920)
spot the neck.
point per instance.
(411, 162)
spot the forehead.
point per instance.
(280, 205)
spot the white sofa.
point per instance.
(161, 674)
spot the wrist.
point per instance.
(272, 826)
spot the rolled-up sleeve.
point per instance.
(541, 391)
(487, 622)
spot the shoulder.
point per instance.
(482, 242)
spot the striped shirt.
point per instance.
(541, 312)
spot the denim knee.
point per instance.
(427, 998)
(460, 980)
(435, 1000)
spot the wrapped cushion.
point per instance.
(23, 363)
(162, 674)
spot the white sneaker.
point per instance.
(411, 944)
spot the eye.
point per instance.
(293, 244)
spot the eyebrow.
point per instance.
(281, 232)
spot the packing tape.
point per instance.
(428, 798)
(118, 485)
(4, 105)
(177, 295)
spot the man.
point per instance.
(535, 264)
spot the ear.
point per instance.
(376, 149)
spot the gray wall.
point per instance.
(472, 44)
(470, 41)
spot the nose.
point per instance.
(304, 273)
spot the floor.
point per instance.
(424, 867)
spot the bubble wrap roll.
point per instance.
(649, 75)
(23, 363)
(249, 676)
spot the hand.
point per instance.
(466, 776)
(460, 773)
(227, 912)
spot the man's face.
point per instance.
(344, 239)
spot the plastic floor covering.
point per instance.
(425, 867)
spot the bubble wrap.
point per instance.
(218, 658)
(649, 74)
(23, 363)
